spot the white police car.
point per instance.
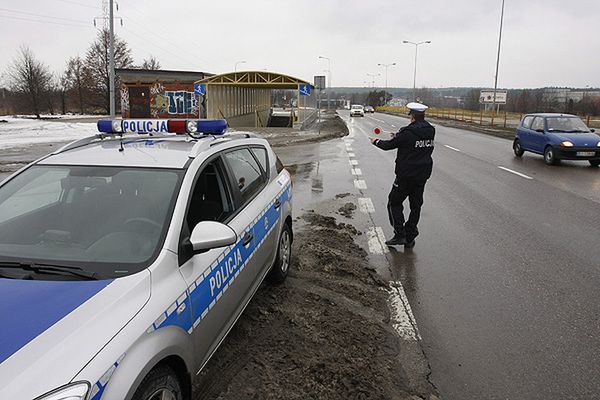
(125, 260)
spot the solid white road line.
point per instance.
(374, 242)
(402, 318)
(514, 172)
(452, 148)
(365, 205)
(356, 172)
(360, 184)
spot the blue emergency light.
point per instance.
(179, 126)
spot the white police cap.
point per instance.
(417, 107)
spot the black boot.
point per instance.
(409, 245)
(396, 241)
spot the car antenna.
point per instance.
(121, 148)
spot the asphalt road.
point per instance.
(504, 278)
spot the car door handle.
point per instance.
(277, 204)
(247, 239)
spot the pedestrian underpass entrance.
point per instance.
(244, 98)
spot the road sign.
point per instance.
(320, 82)
(304, 89)
(487, 97)
(200, 89)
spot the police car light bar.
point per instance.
(177, 126)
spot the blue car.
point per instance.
(557, 137)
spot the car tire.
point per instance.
(517, 148)
(594, 163)
(281, 266)
(550, 156)
(160, 383)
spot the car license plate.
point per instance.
(585, 154)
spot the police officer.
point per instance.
(413, 167)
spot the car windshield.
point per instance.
(566, 124)
(107, 220)
(357, 107)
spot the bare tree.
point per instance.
(151, 63)
(30, 77)
(97, 63)
(76, 79)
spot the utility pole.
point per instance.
(497, 63)
(111, 58)
(329, 80)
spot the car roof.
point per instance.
(551, 115)
(142, 150)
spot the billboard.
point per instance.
(487, 96)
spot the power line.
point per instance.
(145, 39)
(81, 4)
(161, 38)
(43, 16)
(42, 22)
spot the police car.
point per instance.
(125, 259)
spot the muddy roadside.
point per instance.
(324, 333)
(329, 126)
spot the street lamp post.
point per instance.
(236, 65)
(386, 66)
(328, 78)
(416, 53)
(373, 78)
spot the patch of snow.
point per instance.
(18, 132)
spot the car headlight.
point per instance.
(566, 143)
(74, 391)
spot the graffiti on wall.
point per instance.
(182, 102)
(124, 99)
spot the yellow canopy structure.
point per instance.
(243, 98)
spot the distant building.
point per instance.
(565, 95)
(160, 94)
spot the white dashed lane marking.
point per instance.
(452, 148)
(356, 172)
(353, 162)
(365, 205)
(514, 172)
(360, 184)
(351, 155)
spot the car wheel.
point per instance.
(161, 383)
(594, 163)
(281, 266)
(549, 156)
(517, 148)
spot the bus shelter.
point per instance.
(243, 98)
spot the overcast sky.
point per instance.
(546, 42)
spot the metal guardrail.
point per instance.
(482, 118)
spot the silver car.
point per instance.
(125, 260)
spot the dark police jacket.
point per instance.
(415, 145)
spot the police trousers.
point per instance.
(413, 190)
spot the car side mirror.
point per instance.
(209, 235)
(592, 130)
